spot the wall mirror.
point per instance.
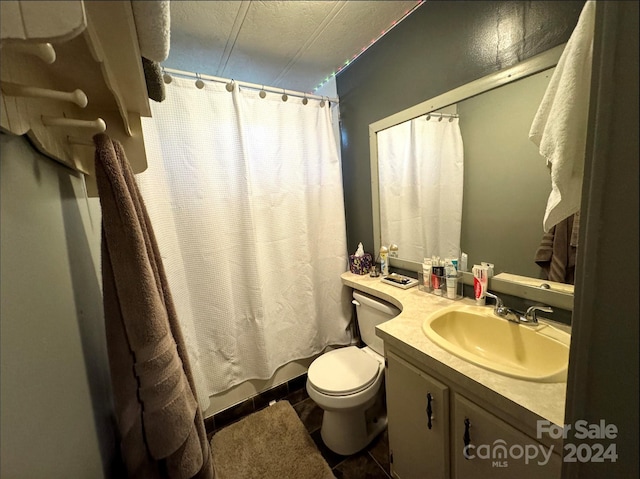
(506, 182)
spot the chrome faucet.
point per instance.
(531, 315)
(501, 310)
(529, 318)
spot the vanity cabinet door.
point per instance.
(495, 449)
(419, 446)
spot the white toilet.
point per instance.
(347, 383)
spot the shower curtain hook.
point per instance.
(440, 119)
(166, 77)
(284, 95)
(305, 100)
(322, 103)
(229, 86)
(262, 93)
(451, 118)
(199, 82)
(429, 117)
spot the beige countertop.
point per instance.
(524, 401)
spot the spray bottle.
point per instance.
(384, 261)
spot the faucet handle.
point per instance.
(500, 309)
(531, 313)
(496, 298)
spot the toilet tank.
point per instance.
(371, 311)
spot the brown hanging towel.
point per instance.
(556, 254)
(160, 422)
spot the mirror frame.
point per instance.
(531, 66)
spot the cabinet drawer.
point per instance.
(419, 446)
(495, 449)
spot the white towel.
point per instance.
(560, 125)
(153, 24)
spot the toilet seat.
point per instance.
(343, 371)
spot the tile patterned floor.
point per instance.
(371, 463)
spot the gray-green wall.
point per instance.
(427, 58)
(440, 46)
(56, 407)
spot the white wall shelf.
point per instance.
(52, 54)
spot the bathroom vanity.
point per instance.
(442, 408)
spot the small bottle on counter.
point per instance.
(384, 261)
(426, 274)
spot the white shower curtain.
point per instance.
(420, 165)
(245, 195)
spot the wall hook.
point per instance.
(44, 51)
(97, 124)
(14, 89)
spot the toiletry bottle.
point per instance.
(443, 278)
(384, 261)
(451, 261)
(426, 274)
(451, 274)
(393, 250)
(437, 276)
(435, 285)
(463, 262)
(373, 272)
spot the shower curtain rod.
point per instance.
(254, 86)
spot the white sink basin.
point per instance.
(534, 353)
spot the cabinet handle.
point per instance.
(429, 410)
(466, 437)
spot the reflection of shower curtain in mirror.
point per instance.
(245, 195)
(420, 167)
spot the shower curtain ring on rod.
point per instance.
(285, 97)
(229, 86)
(305, 100)
(262, 93)
(199, 82)
(322, 103)
(166, 77)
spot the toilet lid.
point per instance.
(343, 371)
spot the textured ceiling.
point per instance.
(292, 44)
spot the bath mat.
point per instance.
(268, 444)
